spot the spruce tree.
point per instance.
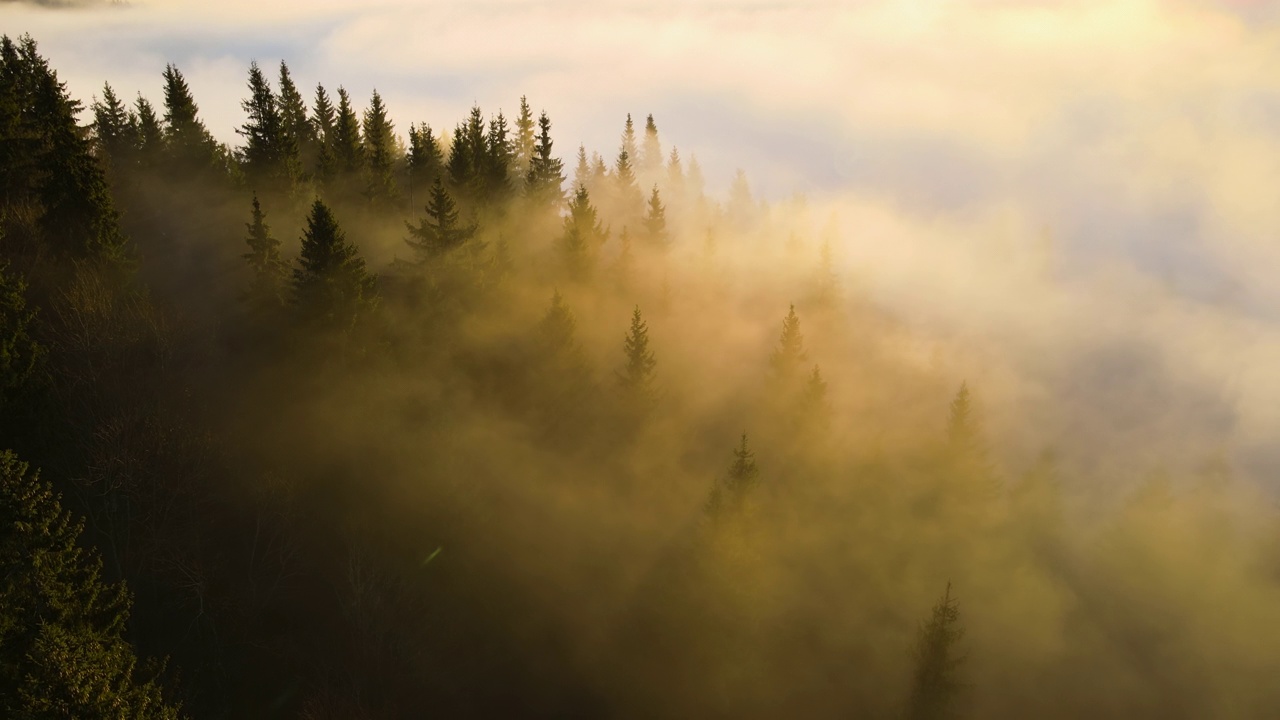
(655, 221)
(270, 153)
(626, 189)
(441, 231)
(379, 152)
(790, 353)
(729, 493)
(269, 269)
(582, 236)
(348, 151)
(62, 650)
(324, 121)
(149, 134)
(331, 285)
(497, 162)
(468, 157)
(650, 161)
(191, 149)
(675, 175)
(582, 170)
(637, 379)
(544, 183)
(114, 130)
(300, 133)
(425, 160)
(814, 408)
(935, 681)
(523, 142)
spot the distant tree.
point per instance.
(788, 356)
(379, 152)
(114, 130)
(695, 184)
(935, 682)
(523, 143)
(324, 121)
(270, 152)
(582, 170)
(62, 650)
(544, 183)
(582, 236)
(655, 221)
(624, 267)
(149, 134)
(269, 270)
(675, 175)
(562, 376)
(497, 163)
(650, 160)
(729, 493)
(637, 378)
(191, 149)
(467, 157)
(347, 148)
(425, 159)
(814, 407)
(330, 283)
(626, 189)
(300, 133)
(441, 231)
(741, 206)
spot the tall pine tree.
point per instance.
(331, 286)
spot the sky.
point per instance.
(1076, 178)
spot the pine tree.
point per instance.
(655, 222)
(114, 130)
(790, 353)
(582, 236)
(425, 160)
(149, 134)
(300, 133)
(441, 231)
(324, 120)
(650, 161)
(582, 171)
(729, 493)
(544, 183)
(523, 142)
(330, 283)
(62, 651)
(962, 431)
(497, 162)
(270, 155)
(379, 152)
(191, 149)
(637, 379)
(935, 682)
(347, 149)
(675, 175)
(626, 188)
(264, 257)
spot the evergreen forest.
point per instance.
(367, 416)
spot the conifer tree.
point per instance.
(497, 162)
(523, 142)
(695, 185)
(935, 681)
(655, 221)
(650, 161)
(626, 189)
(21, 356)
(191, 148)
(675, 175)
(441, 231)
(582, 170)
(324, 120)
(582, 235)
(62, 651)
(544, 183)
(790, 353)
(379, 152)
(270, 154)
(599, 175)
(467, 157)
(348, 151)
(330, 284)
(264, 257)
(300, 133)
(148, 132)
(814, 407)
(637, 379)
(113, 129)
(425, 160)
(624, 267)
(729, 493)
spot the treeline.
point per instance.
(369, 427)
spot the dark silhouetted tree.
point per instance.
(379, 152)
(729, 493)
(582, 236)
(324, 121)
(425, 160)
(269, 270)
(270, 153)
(441, 231)
(62, 651)
(637, 378)
(544, 183)
(300, 133)
(790, 354)
(331, 285)
(522, 143)
(650, 161)
(655, 221)
(935, 681)
(191, 149)
(115, 130)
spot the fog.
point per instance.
(1062, 208)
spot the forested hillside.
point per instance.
(383, 417)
